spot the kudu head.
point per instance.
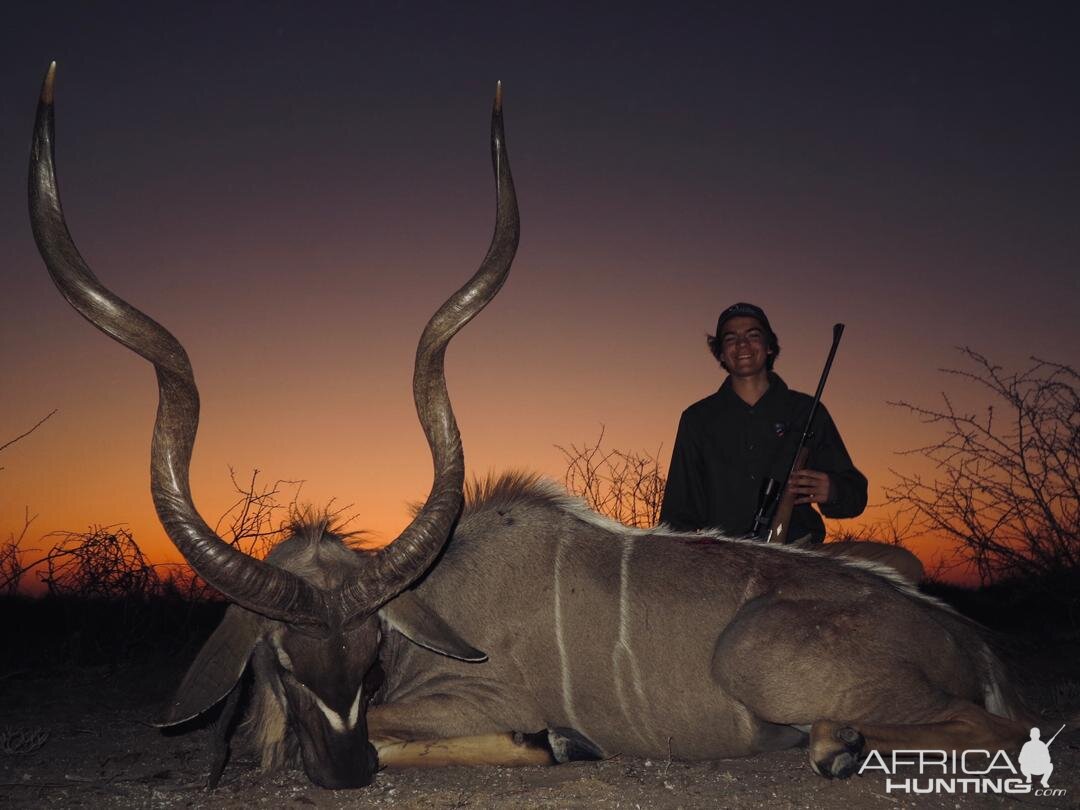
(310, 614)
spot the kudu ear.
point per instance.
(421, 625)
(216, 668)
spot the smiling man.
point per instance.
(731, 442)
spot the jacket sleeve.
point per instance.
(684, 496)
(828, 455)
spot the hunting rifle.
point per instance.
(777, 500)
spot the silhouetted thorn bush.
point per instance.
(627, 486)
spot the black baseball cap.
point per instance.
(745, 310)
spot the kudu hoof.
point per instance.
(835, 750)
(568, 745)
(563, 745)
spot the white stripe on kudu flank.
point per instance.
(564, 664)
(623, 651)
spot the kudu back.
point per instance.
(527, 628)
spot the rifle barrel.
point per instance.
(837, 333)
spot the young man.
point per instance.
(730, 443)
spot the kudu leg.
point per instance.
(406, 735)
(836, 748)
(864, 678)
(511, 748)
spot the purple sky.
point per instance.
(293, 188)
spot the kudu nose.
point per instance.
(360, 775)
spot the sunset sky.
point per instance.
(293, 188)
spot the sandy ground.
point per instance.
(101, 752)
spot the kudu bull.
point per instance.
(606, 639)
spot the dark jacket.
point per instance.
(726, 449)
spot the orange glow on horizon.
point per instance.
(292, 199)
(382, 514)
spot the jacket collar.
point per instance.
(775, 392)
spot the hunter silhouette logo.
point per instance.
(1035, 757)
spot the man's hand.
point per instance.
(811, 486)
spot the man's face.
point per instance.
(744, 346)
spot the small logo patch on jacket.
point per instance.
(781, 429)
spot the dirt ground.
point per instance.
(101, 752)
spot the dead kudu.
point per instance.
(606, 639)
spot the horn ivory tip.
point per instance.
(47, 85)
(498, 96)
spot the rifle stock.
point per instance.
(781, 522)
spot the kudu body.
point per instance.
(606, 639)
(656, 643)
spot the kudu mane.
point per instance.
(267, 729)
(501, 493)
(318, 549)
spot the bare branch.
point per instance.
(625, 486)
(104, 562)
(252, 523)
(39, 423)
(12, 567)
(1007, 483)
